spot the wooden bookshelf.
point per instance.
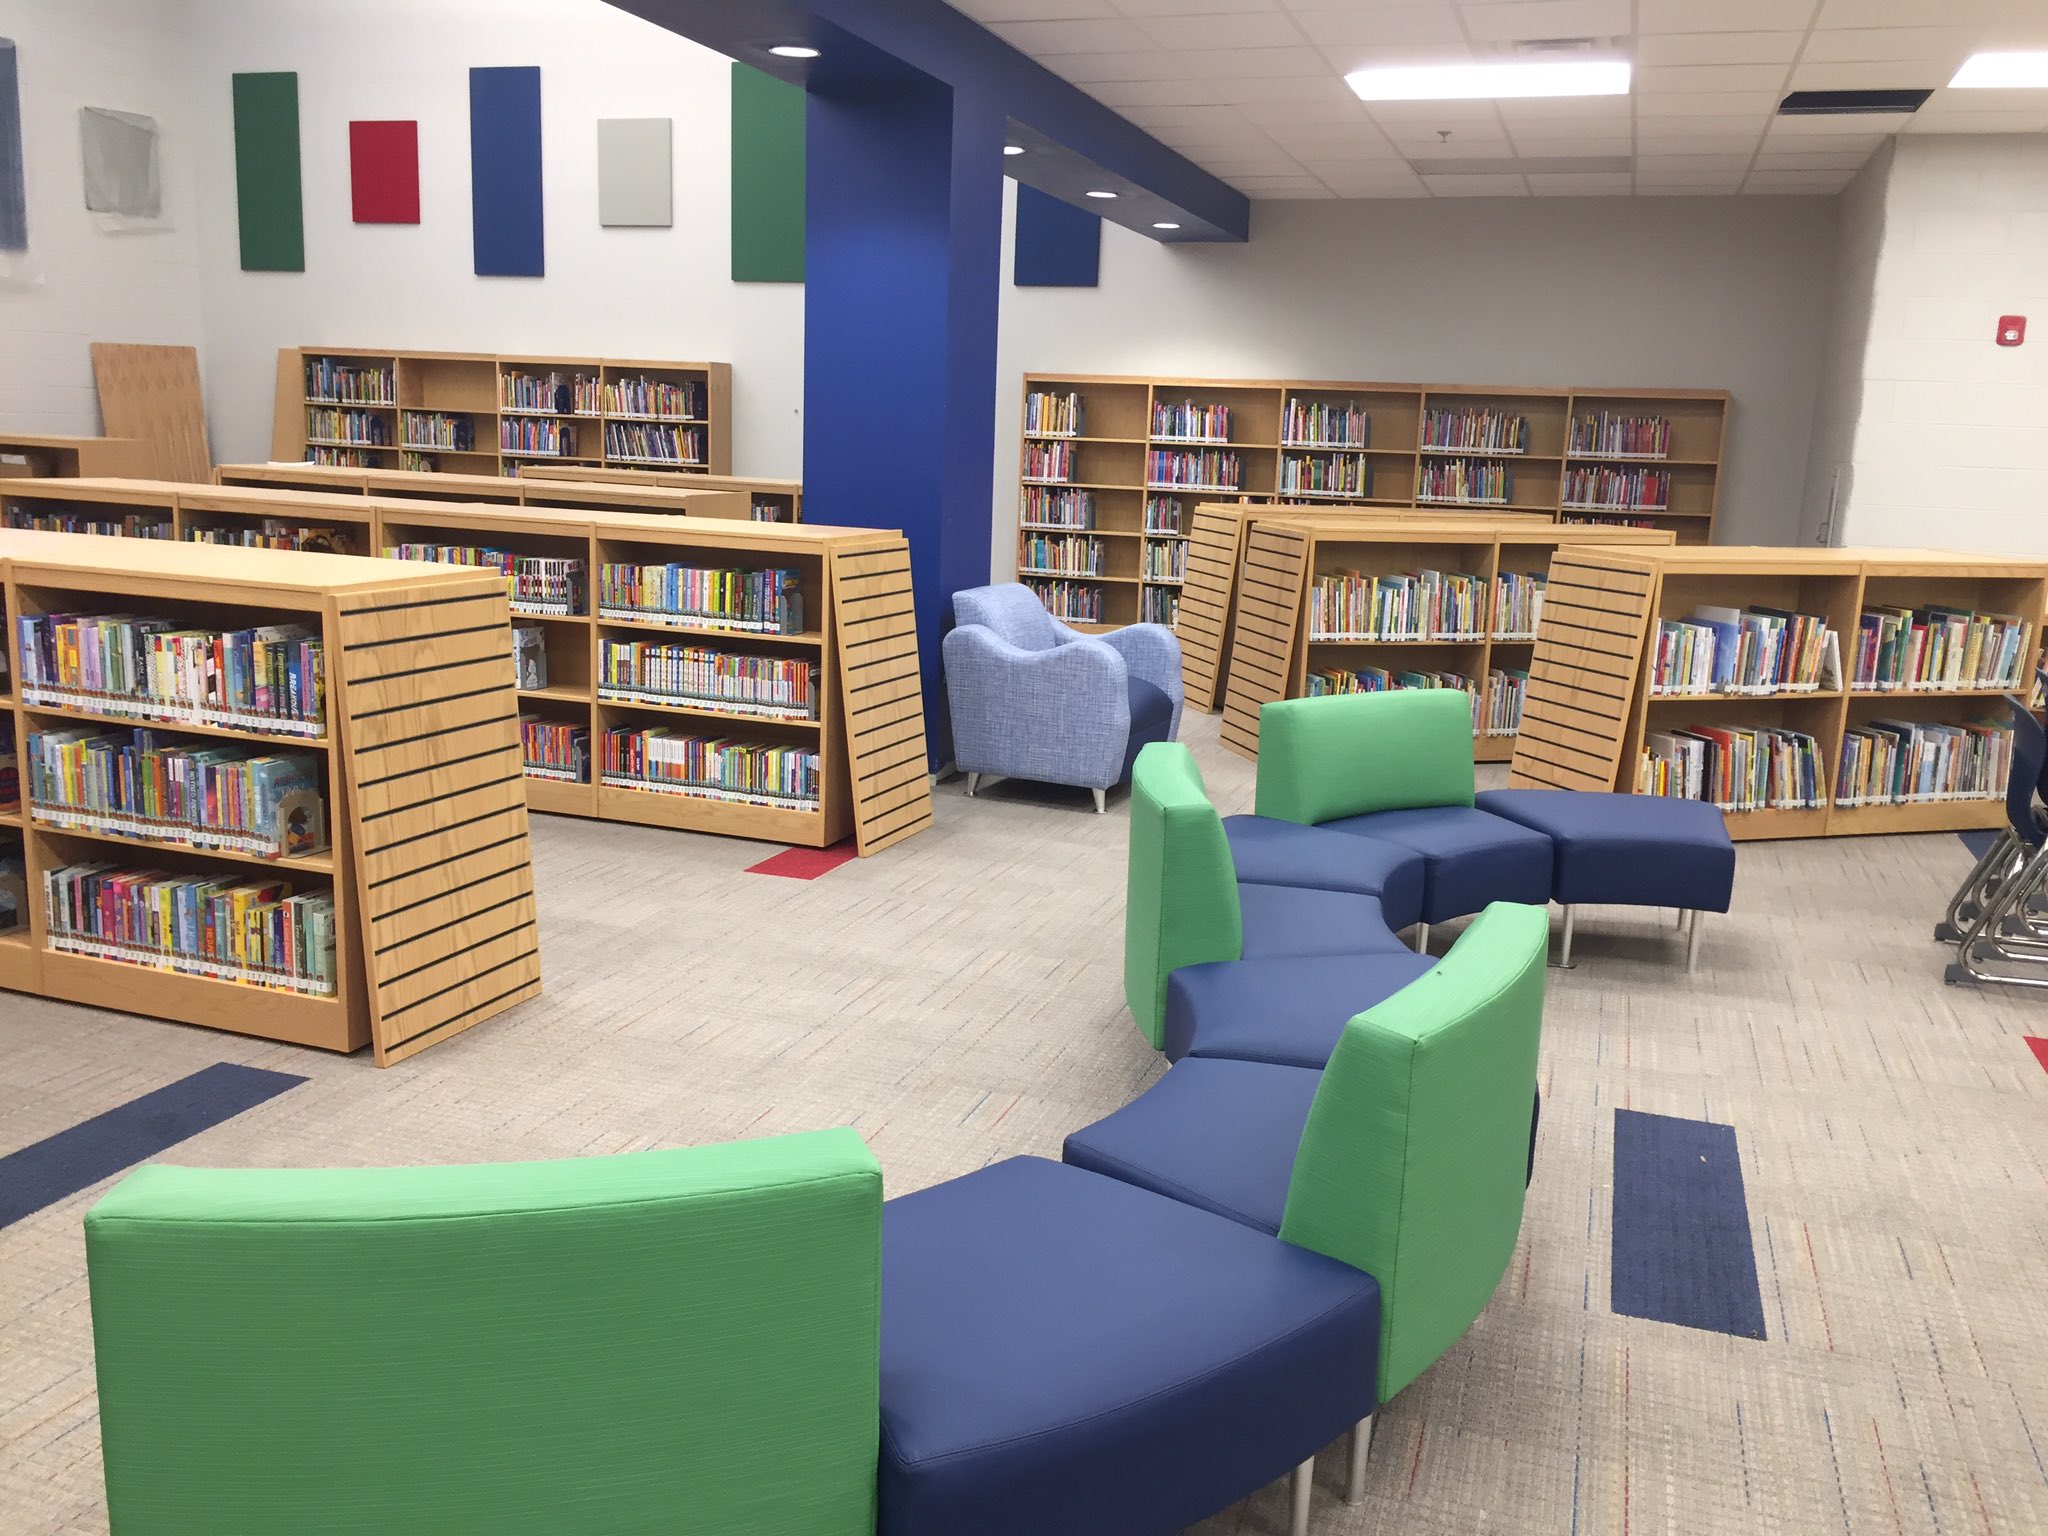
(399, 406)
(418, 770)
(1301, 441)
(1591, 701)
(1274, 649)
(774, 501)
(28, 454)
(730, 496)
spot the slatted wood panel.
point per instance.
(1271, 585)
(437, 800)
(1582, 677)
(153, 393)
(1205, 604)
(874, 631)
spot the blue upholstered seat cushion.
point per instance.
(1289, 1011)
(1272, 852)
(1469, 858)
(1151, 719)
(1293, 920)
(1628, 850)
(1067, 1353)
(1220, 1135)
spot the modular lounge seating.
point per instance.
(1033, 699)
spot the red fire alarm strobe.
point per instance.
(2012, 330)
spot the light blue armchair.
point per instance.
(1033, 699)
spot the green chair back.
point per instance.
(1180, 906)
(661, 1341)
(1414, 1161)
(1350, 754)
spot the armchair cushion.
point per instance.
(1152, 652)
(1291, 1011)
(1152, 718)
(1012, 611)
(1294, 920)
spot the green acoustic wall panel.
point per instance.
(767, 178)
(269, 200)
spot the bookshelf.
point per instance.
(1291, 640)
(1092, 494)
(489, 414)
(26, 454)
(408, 763)
(1595, 705)
(774, 501)
(729, 496)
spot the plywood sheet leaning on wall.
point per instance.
(152, 393)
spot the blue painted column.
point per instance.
(902, 268)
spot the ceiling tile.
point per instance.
(1692, 79)
(1477, 186)
(1426, 26)
(1691, 165)
(1748, 125)
(1578, 109)
(1589, 184)
(1460, 146)
(985, 11)
(1321, 92)
(1153, 93)
(1911, 13)
(1859, 77)
(1757, 104)
(1860, 44)
(1718, 48)
(1723, 15)
(1833, 125)
(1142, 8)
(1802, 160)
(1250, 63)
(1038, 38)
(1315, 117)
(1258, 30)
(1688, 189)
(1290, 187)
(1093, 68)
(1743, 144)
(1491, 22)
(1432, 115)
(1930, 119)
(1609, 146)
(1797, 181)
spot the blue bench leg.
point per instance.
(1361, 1442)
(1422, 938)
(1564, 948)
(1692, 941)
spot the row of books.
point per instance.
(643, 396)
(1333, 474)
(1763, 650)
(555, 749)
(1936, 648)
(1072, 601)
(655, 672)
(1464, 480)
(1159, 605)
(273, 533)
(1324, 424)
(105, 521)
(339, 424)
(252, 931)
(436, 429)
(657, 444)
(418, 463)
(1738, 768)
(1048, 461)
(1482, 428)
(1191, 423)
(354, 382)
(1164, 514)
(1608, 522)
(1517, 603)
(1629, 490)
(537, 436)
(766, 602)
(1615, 436)
(579, 395)
(1060, 554)
(1045, 506)
(1165, 559)
(1507, 688)
(1906, 762)
(1050, 415)
(536, 583)
(344, 458)
(138, 784)
(1210, 467)
(1332, 681)
(270, 678)
(718, 768)
(1415, 605)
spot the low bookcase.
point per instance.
(399, 692)
(773, 501)
(24, 454)
(729, 496)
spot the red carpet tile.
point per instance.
(804, 863)
(2040, 1049)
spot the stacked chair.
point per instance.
(1994, 918)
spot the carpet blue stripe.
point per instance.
(1682, 1250)
(58, 1166)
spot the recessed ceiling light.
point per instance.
(1462, 82)
(1166, 226)
(1013, 149)
(1102, 194)
(2002, 71)
(793, 51)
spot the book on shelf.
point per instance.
(1159, 605)
(1044, 506)
(529, 657)
(671, 761)
(341, 425)
(1935, 648)
(1330, 681)
(1722, 650)
(1518, 604)
(1507, 688)
(1166, 560)
(555, 749)
(1479, 429)
(436, 429)
(653, 443)
(1200, 469)
(1324, 424)
(542, 584)
(1049, 461)
(1594, 486)
(1060, 554)
(135, 783)
(1607, 522)
(536, 437)
(353, 383)
(1415, 605)
(1052, 415)
(1908, 762)
(762, 602)
(1738, 768)
(274, 533)
(110, 522)
(10, 772)
(550, 393)
(1612, 435)
(1165, 514)
(270, 678)
(344, 458)
(1189, 422)
(659, 398)
(13, 886)
(1326, 474)
(1474, 480)
(696, 676)
(1073, 602)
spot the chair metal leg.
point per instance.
(973, 783)
(1422, 938)
(1678, 917)
(1361, 1442)
(1692, 942)
(1564, 948)
(1304, 1485)
(1101, 801)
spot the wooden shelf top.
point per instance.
(134, 493)
(116, 566)
(1774, 560)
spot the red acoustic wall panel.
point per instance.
(384, 172)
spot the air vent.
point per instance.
(1849, 103)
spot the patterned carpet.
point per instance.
(958, 1000)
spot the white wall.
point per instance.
(1840, 400)
(1709, 293)
(1951, 445)
(644, 293)
(76, 284)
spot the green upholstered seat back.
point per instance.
(660, 1341)
(1180, 907)
(1320, 759)
(1415, 1157)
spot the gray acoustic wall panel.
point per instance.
(635, 179)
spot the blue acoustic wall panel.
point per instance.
(1058, 245)
(504, 171)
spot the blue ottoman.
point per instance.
(1291, 1012)
(1267, 851)
(1627, 851)
(1470, 858)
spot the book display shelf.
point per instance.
(323, 837)
(1112, 466)
(726, 496)
(1359, 604)
(479, 413)
(1809, 693)
(24, 454)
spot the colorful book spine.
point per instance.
(271, 533)
(671, 761)
(1160, 605)
(1073, 602)
(762, 602)
(1518, 604)
(555, 749)
(1059, 554)
(1913, 650)
(1208, 469)
(104, 521)
(270, 679)
(349, 383)
(536, 437)
(436, 429)
(1737, 768)
(639, 442)
(1190, 422)
(1044, 506)
(1325, 474)
(1166, 560)
(1481, 430)
(1328, 682)
(1165, 514)
(1051, 415)
(550, 393)
(344, 458)
(1909, 762)
(1324, 424)
(1507, 688)
(1052, 462)
(339, 425)
(538, 584)
(655, 672)
(1757, 652)
(1473, 481)
(657, 399)
(1599, 486)
(1421, 605)
(1611, 435)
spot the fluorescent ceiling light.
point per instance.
(793, 51)
(1102, 194)
(1463, 82)
(2002, 71)
(1166, 226)
(1013, 149)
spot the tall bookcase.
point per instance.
(484, 413)
(417, 769)
(1593, 700)
(1112, 466)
